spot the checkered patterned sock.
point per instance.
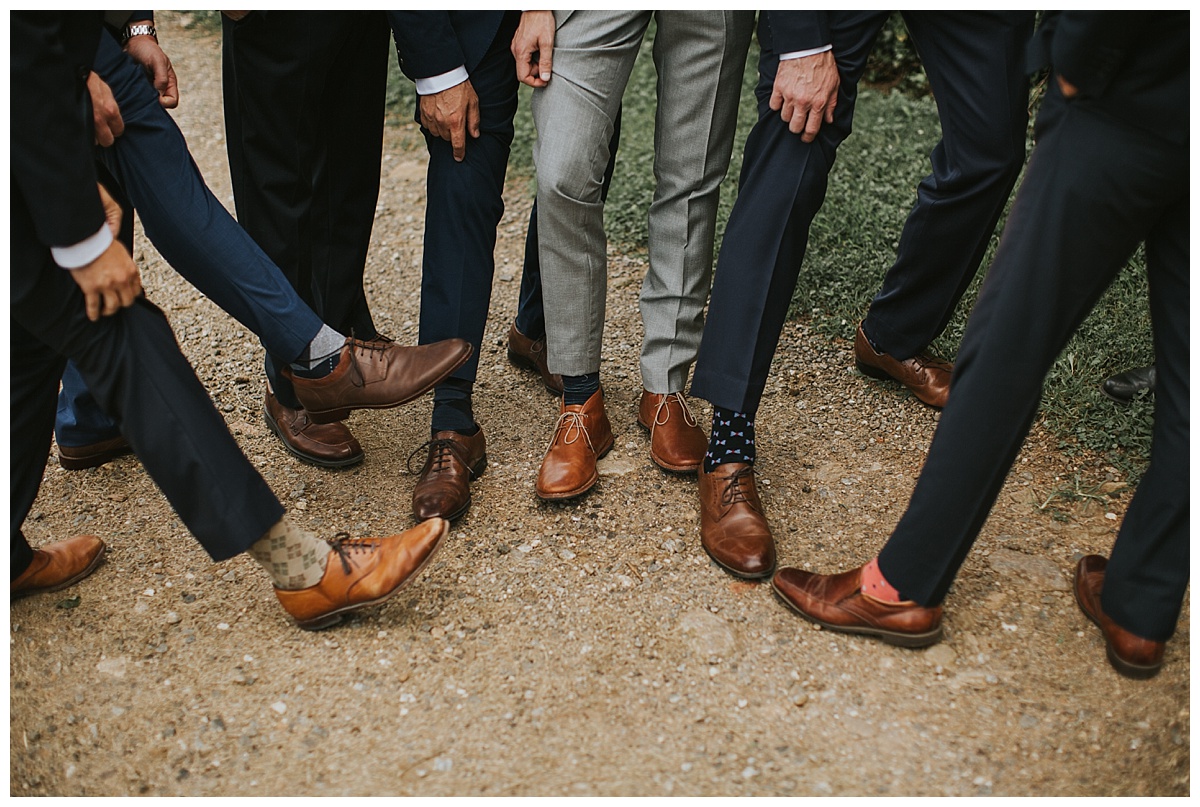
(293, 557)
(731, 440)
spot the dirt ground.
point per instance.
(585, 648)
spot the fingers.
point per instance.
(168, 95)
(92, 302)
(458, 142)
(473, 116)
(545, 61)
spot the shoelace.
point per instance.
(573, 424)
(687, 414)
(733, 486)
(924, 360)
(439, 454)
(379, 343)
(343, 545)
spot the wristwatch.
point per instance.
(141, 29)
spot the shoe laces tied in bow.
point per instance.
(571, 425)
(734, 492)
(662, 412)
(344, 545)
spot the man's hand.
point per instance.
(805, 93)
(235, 15)
(533, 48)
(106, 115)
(451, 115)
(1068, 89)
(145, 51)
(112, 211)
(111, 282)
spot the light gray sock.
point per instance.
(326, 343)
(292, 556)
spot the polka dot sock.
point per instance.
(874, 584)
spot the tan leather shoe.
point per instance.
(733, 525)
(1130, 655)
(677, 442)
(453, 461)
(835, 601)
(360, 572)
(377, 374)
(59, 565)
(76, 458)
(531, 355)
(927, 377)
(330, 445)
(581, 436)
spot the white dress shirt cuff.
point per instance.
(800, 54)
(86, 251)
(435, 84)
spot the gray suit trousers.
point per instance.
(700, 57)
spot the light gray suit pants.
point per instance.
(700, 57)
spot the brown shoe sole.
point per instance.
(79, 462)
(16, 595)
(896, 638)
(335, 415)
(526, 363)
(666, 466)
(333, 617)
(309, 458)
(585, 487)
(1137, 671)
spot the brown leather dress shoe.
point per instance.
(59, 565)
(377, 374)
(76, 458)
(677, 443)
(531, 355)
(330, 445)
(1130, 655)
(927, 377)
(581, 436)
(443, 489)
(733, 526)
(835, 601)
(363, 571)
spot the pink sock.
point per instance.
(874, 584)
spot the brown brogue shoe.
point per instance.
(377, 374)
(733, 525)
(677, 442)
(1130, 655)
(59, 565)
(330, 445)
(928, 378)
(581, 436)
(360, 572)
(835, 601)
(530, 354)
(76, 458)
(453, 461)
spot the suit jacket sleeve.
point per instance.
(788, 31)
(426, 43)
(1088, 47)
(51, 160)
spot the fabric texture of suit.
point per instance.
(304, 97)
(130, 360)
(464, 200)
(700, 57)
(1100, 182)
(975, 64)
(191, 230)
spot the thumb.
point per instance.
(545, 59)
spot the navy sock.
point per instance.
(322, 369)
(452, 408)
(578, 388)
(732, 439)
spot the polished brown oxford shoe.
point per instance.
(928, 378)
(733, 526)
(581, 437)
(677, 443)
(76, 458)
(58, 565)
(360, 572)
(1130, 655)
(330, 445)
(530, 354)
(835, 601)
(377, 374)
(443, 488)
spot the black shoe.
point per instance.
(1123, 386)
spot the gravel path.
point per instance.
(587, 648)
